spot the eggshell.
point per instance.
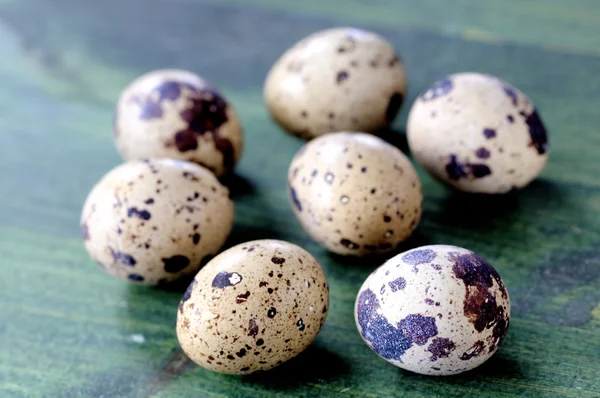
(253, 307)
(176, 114)
(354, 193)
(435, 310)
(152, 222)
(477, 133)
(336, 79)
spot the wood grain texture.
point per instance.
(68, 330)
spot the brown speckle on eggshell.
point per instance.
(253, 307)
(176, 114)
(435, 310)
(486, 136)
(367, 208)
(145, 221)
(336, 79)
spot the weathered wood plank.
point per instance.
(70, 330)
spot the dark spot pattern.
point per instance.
(457, 170)
(260, 342)
(242, 298)
(135, 277)
(489, 133)
(537, 131)
(348, 43)
(473, 351)
(498, 333)
(437, 90)
(388, 341)
(295, 200)
(190, 176)
(141, 214)
(272, 312)
(419, 256)
(196, 238)
(482, 153)
(122, 258)
(510, 118)
(300, 325)
(277, 260)
(167, 90)
(225, 279)
(440, 347)
(208, 112)
(418, 328)
(149, 201)
(187, 294)
(393, 107)
(349, 244)
(241, 353)
(512, 94)
(176, 263)
(397, 284)
(480, 305)
(341, 76)
(252, 327)
(480, 170)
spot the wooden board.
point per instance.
(69, 330)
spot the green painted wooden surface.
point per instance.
(68, 330)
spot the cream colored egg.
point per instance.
(333, 80)
(152, 222)
(477, 133)
(354, 193)
(253, 307)
(435, 310)
(176, 114)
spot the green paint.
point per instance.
(69, 330)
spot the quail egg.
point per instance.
(253, 307)
(176, 114)
(477, 134)
(354, 193)
(152, 222)
(435, 310)
(337, 79)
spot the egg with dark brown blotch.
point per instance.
(176, 114)
(334, 80)
(253, 307)
(354, 193)
(477, 133)
(153, 222)
(436, 310)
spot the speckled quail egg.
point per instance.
(253, 307)
(435, 310)
(176, 114)
(478, 134)
(152, 222)
(333, 80)
(354, 193)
